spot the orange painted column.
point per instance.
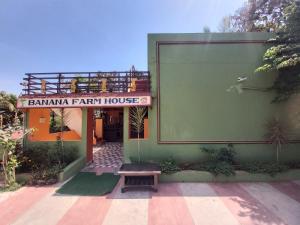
(99, 128)
(89, 135)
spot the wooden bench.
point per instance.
(139, 176)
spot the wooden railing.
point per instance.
(85, 82)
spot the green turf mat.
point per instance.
(88, 184)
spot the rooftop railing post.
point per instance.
(28, 84)
(58, 85)
(119, 88)
(126, 83)
(98, 85)
(89, 83)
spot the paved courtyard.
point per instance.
(107, 157)
(174, 204)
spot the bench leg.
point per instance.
(155, 181)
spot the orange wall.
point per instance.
(42, 129)
(99, 128)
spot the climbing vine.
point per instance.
(284, 54)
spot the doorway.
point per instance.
(109, 124)
(113, 124)
(106, 139)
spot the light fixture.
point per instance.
(42, 119)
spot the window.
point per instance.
(138, 122)
(48, 124)
(57, 117)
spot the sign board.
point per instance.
(86, 101)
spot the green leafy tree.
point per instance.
(206, 29)
(226, 25)
(8, 146)
(284, 55)
(137, 115)
(259, 15)
(8, 109)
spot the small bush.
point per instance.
(45, 156)
(263, 167)
(169, 166)
(293, 165)
(45, 162)
(220, 161)
(13, 187)
(221, 155)
(217, 168)
(45, 175)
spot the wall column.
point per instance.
(89, 135)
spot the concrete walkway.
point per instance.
(173, 204)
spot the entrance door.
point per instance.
(113, 124)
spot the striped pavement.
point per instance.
(174, 204)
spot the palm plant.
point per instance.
(64, 119)
(276, 134)
(137, 115)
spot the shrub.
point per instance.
(263, 167)
(43, 155)
(220, 161)
(214, 167)
(45, 175)
(293, 165)
(217, 168)
(45, 162)
(13, 187)
(225, 154)
(169, 166)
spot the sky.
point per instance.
(93, 35)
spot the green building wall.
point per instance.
(196, 107)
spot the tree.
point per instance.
(8, 145)
(137, 115)
(276, 135)
(284, 55)
(7, 109)
(63, 121)
(260, 15)
(206, 29)
(7, 101)
(241, 19)
(225, 25)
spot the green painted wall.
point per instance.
(196, 106)
(81, 145)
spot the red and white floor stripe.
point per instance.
(174, 204)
